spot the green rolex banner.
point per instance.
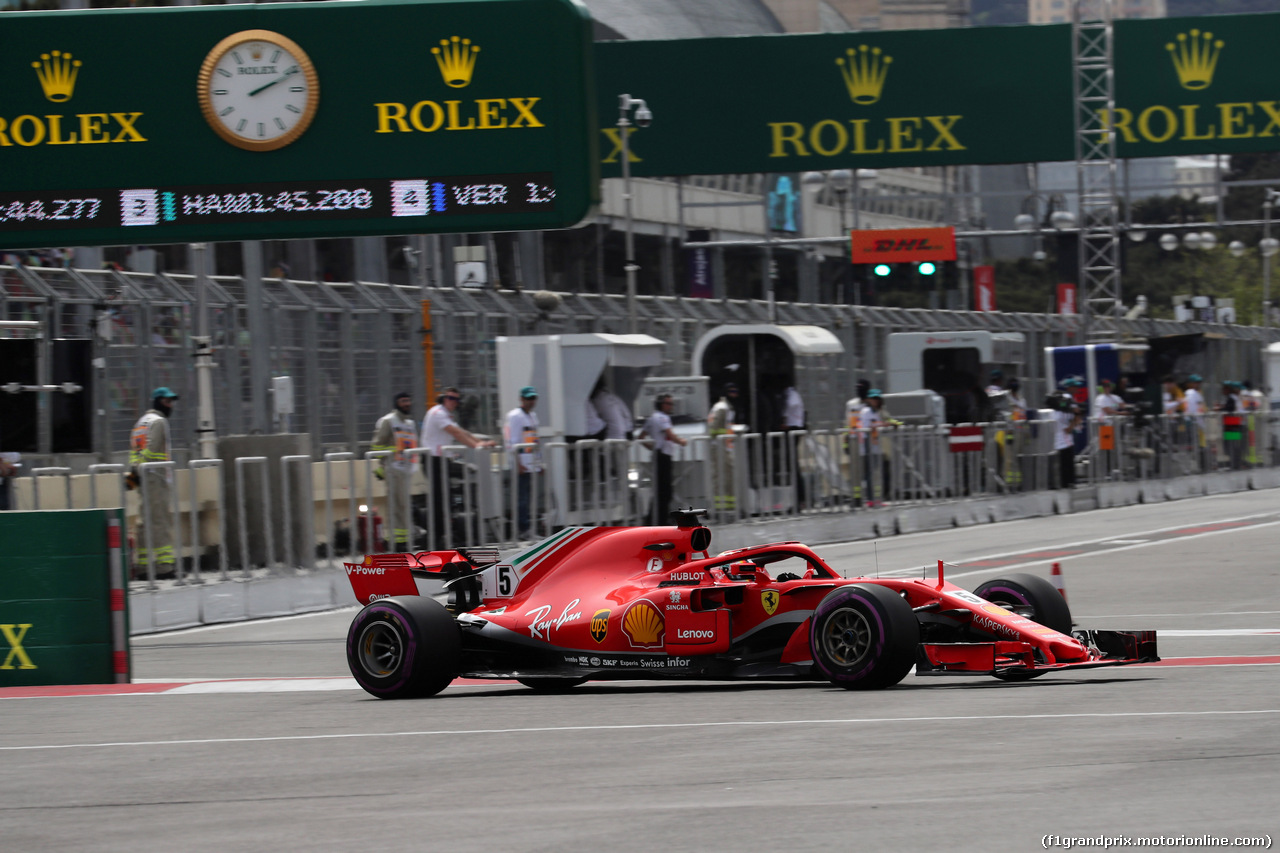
(1207, 85)
(872, 99)
(788, 103)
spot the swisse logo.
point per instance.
(694, 634)
(365, 570)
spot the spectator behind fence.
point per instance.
(522, 428)
(1066, 418)
(793, 420)
(663, 440)
(150, 443)
(720, 421)
(1193, 398)
(870, 420)
(439, 430)
(616, 414)
(1106, 405)
(396, 432)
(1173, 401)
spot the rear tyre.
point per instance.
(1033, 597)
(401, 648)
(551, 685)
(864, 637)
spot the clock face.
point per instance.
(258, 90)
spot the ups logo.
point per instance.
(600, 625)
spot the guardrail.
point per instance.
(471, 497)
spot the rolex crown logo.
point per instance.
(457, 59)
(57, 73)
(256, 52)
(864, 70)
(1195, 58)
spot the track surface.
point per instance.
(252, 737)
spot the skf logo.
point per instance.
(14, 635)
(457, 60)
(644, 625)
(1195, 59)
(57, 73)
(600, 625)
(769, 600)
(864, 71)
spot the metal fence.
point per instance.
(340, 506)
(347, 347)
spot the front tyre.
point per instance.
(1031, 596)
(401, 648)
(864, 637)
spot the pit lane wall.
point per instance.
(184, 606)
(63, 610)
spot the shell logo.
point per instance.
(996, 610)
(644, 625)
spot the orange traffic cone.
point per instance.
(1056, 576)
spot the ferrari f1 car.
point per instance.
(650, 602)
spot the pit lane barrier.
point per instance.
(812, 485)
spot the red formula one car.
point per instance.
(645, 602)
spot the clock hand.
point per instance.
(293, 70)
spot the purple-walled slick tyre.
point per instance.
(402, 648)
(864, 637)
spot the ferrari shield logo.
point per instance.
(769, 600)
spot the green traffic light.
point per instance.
(881, 269)
(927, 268)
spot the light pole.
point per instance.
(1268, 247)
(206, 432)
(643, 119)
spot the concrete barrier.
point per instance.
(325, 589)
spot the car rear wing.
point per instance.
(384, 575)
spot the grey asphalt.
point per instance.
(936, 763)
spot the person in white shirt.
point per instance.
(1106, 405)
(522, 429)
(439, 430)
(1065, 420)
(870, 420)
(1193, 399)
(660, 433)
(616, 414)
(793, 421)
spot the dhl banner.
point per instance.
(899, 245)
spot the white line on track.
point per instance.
(1109, 551)
(860, 721)
(273, 620)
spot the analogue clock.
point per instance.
(258, 90)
